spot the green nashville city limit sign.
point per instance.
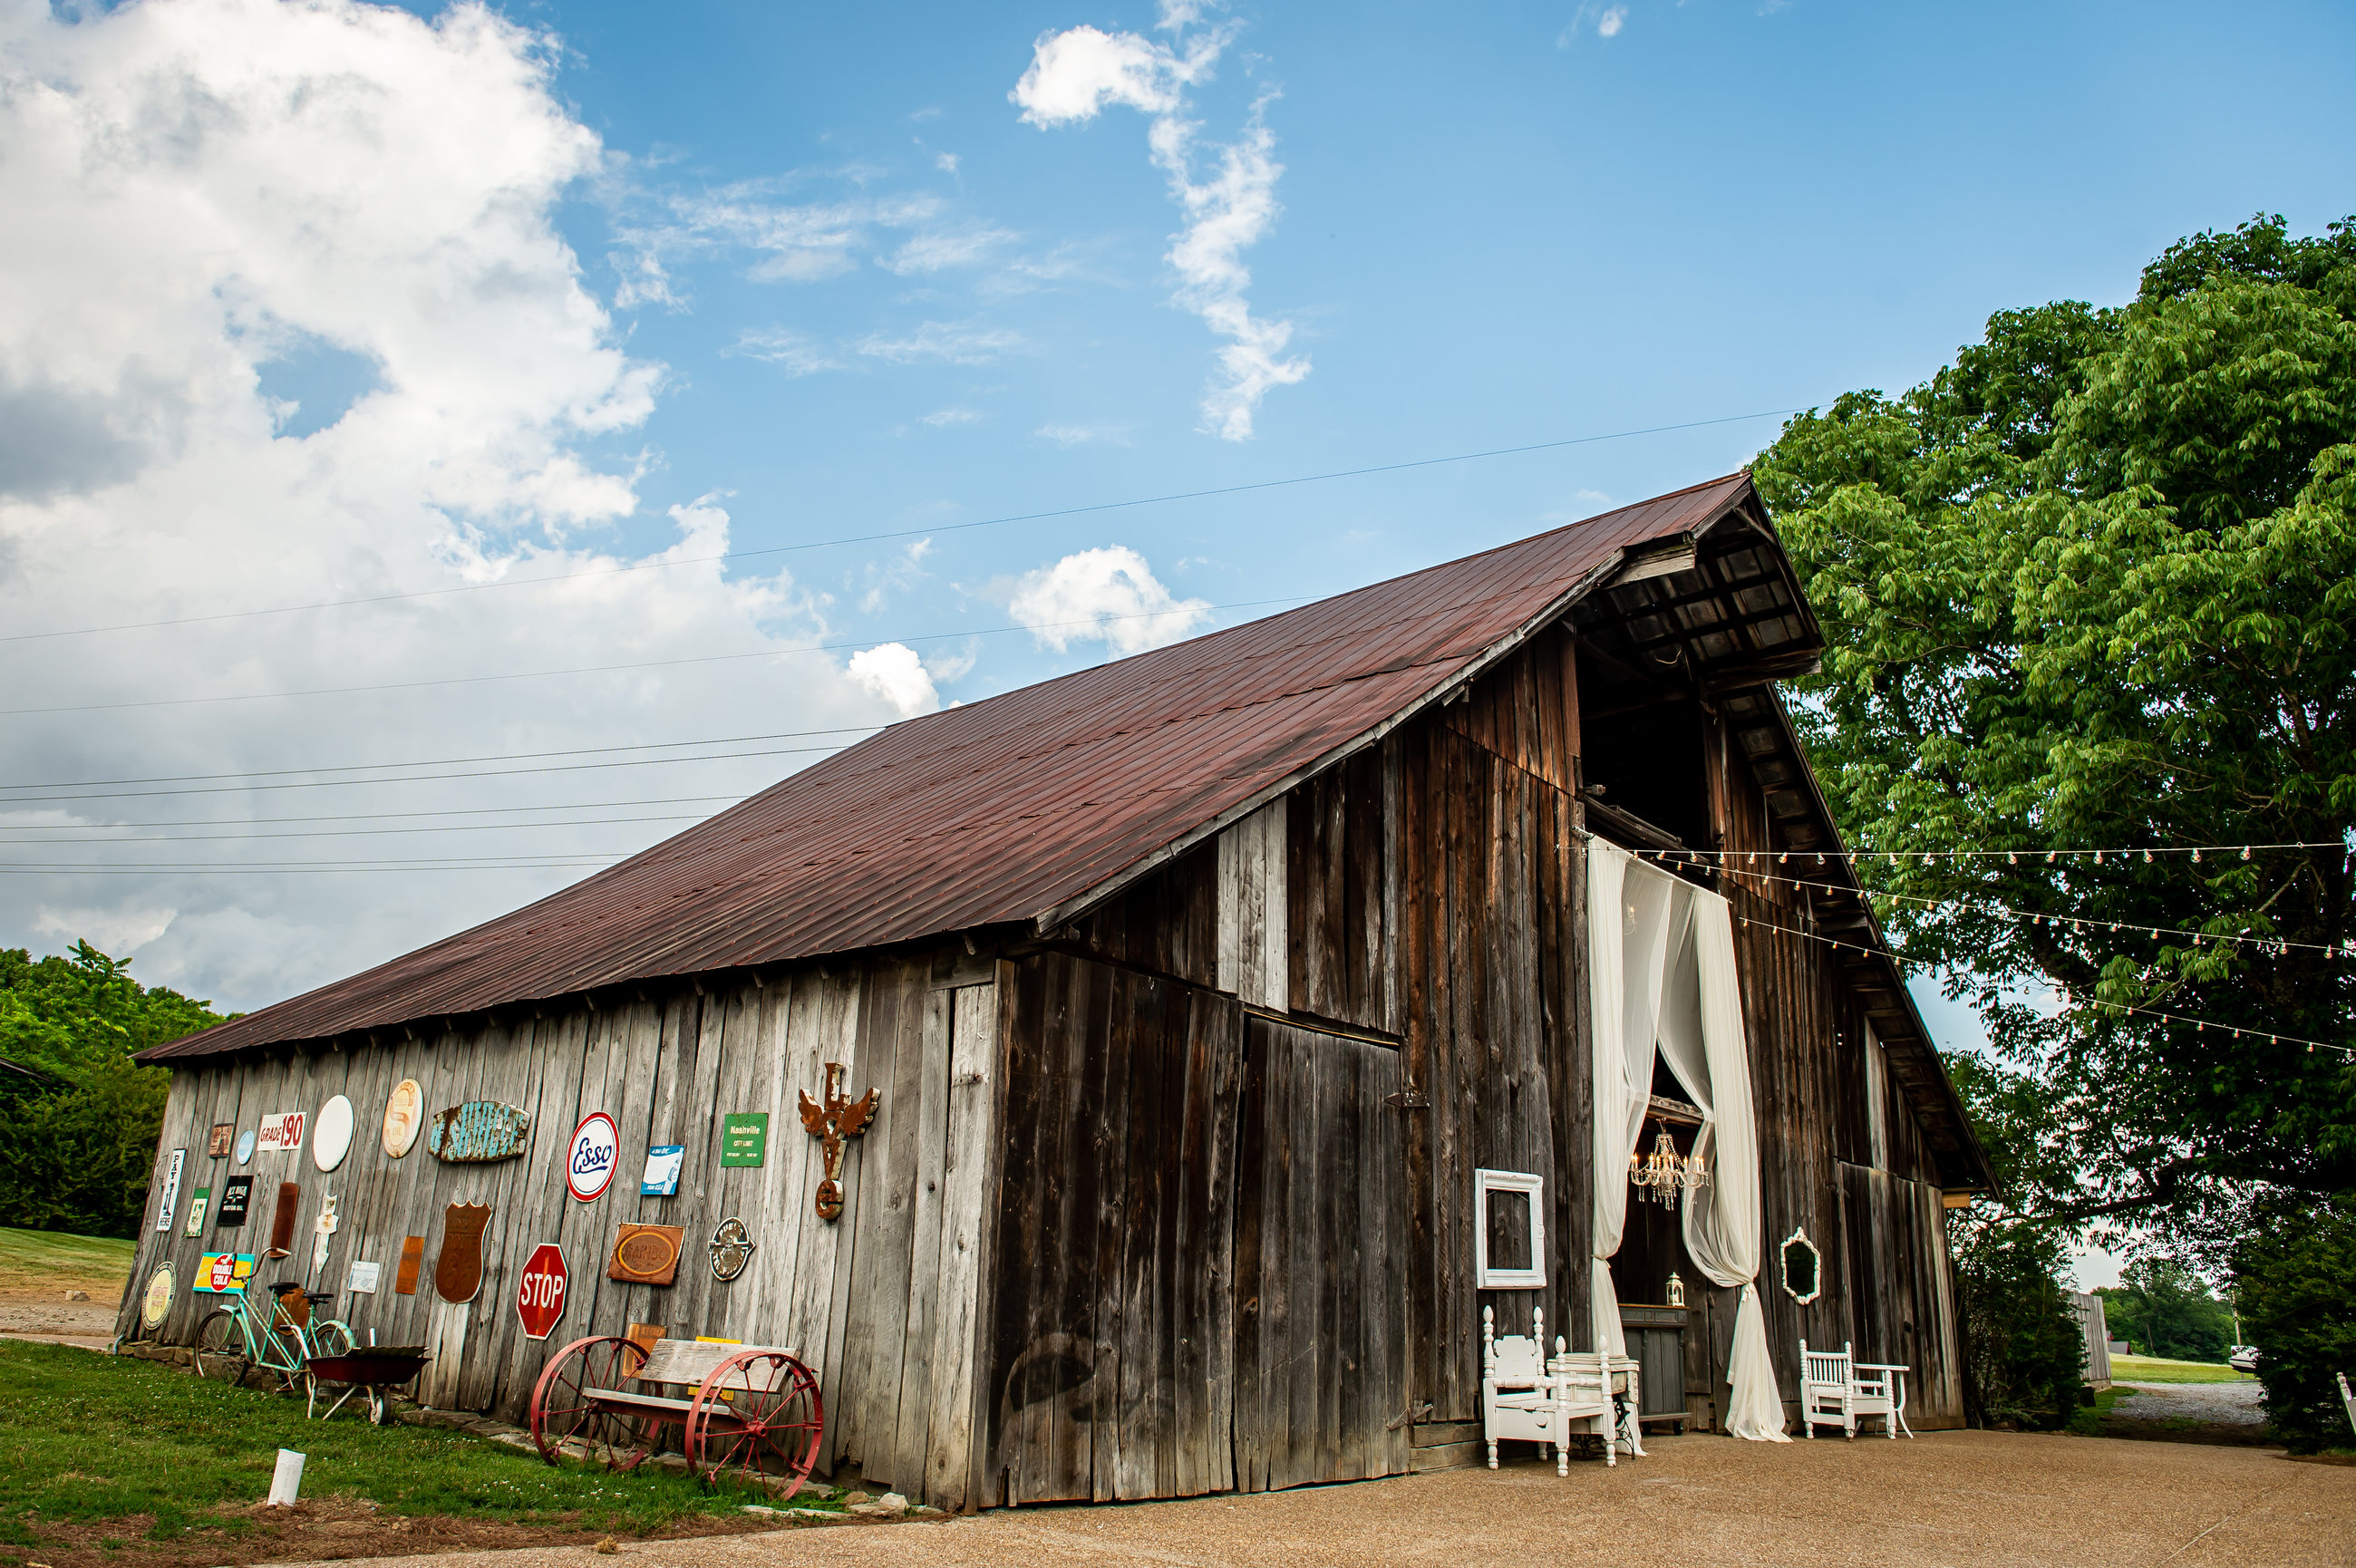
(744, 1138)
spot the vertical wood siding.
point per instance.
(1321, 1262)
(881, 1302)
(1110, 1342)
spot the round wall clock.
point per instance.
(403, 1114)
(596, 1149)
(245, 1146)
(156, 1305)
(331, 1135)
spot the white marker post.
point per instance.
(288, 1480)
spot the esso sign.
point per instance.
(596, 1150)
(540, 1294)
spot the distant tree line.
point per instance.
(81, 1116)
(2162, 1309)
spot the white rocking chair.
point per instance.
(1834, 1393)
(1521, 1402)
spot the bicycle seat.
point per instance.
(321, 1298)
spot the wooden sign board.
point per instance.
(744, 1138)
(412, 1258)
(646, 1254)
(478, 1132)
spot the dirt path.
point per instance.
(1959, 1498)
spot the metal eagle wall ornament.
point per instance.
(838, 1118)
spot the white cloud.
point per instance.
(947, 162)
(208, 200)
(954, 342)
(1074, 75)
(940, 419)
(1108, 595)
(896, 674)
(939, 249)
(793, 352)
(787, 242)
(895, 576)
(1608, 25)
(1069, 436)
(118, 933)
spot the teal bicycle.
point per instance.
(233, 1341)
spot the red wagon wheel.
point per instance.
(565, 1405)
(759, 1416)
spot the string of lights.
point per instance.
(2147, 854)
(2274, 944)
(2201, 1026)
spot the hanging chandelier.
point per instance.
(1663, 1174)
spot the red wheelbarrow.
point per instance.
(371, 1371)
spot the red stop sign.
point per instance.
(539, 1294)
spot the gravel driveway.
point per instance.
(2233, 1405)
(1948, 1498)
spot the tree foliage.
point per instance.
(2163, 1308)
(2094, 586)
(2295, 1279)
(82, 1128)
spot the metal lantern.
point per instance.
(1677, 1289)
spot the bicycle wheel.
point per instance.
(221, 1351)
(329, 1337)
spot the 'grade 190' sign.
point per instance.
(596, 1149)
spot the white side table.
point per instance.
(1896, 1391)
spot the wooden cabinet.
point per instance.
(1656, 1339)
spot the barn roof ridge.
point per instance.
(994, 812)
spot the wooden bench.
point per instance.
(750, 1408)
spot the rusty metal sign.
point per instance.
(731, 1249)
(831, 1122)
(646, 1255)
(404, 1112)
(458, 1271)
(477, 1133)
(412, 1258)
(224, 1136)
(281, 1221)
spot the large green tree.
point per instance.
(2092, 586)
(83, 1116)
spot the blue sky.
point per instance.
(425, 303)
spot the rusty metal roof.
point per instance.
(1008, 810)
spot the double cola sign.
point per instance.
(596, 1149)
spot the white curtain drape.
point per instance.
(1662, 972)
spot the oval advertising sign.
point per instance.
(539, 1294)
(596, 1150)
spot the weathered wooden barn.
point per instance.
(1196, 988)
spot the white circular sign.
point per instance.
(331, 1133)
(596, 1149)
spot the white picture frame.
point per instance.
(1487, 1277)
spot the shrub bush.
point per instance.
(2295, 1281)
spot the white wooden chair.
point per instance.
(1606, 1394)
(1521, 1402)
(1835, 1393)
(2347, 1397)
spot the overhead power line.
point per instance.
(640, 664)
(346, 832)
(371, 815)
(900, 533)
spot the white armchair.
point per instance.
(1836, 1391)
(1522, 1401)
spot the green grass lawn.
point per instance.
(86, 1438)
(2158, 1369)
(46, 1260)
